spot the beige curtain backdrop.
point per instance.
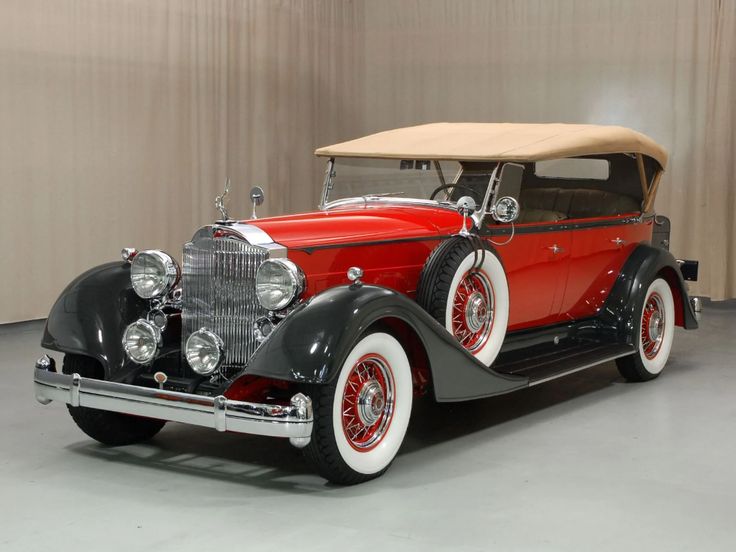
(664, 67)
(119, 120)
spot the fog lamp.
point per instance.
(141, 340)
(204, 351)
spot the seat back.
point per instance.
(574, 203)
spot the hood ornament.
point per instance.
(220, 201)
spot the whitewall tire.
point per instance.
(655, 334)
(361, 417)
(477, 308)
(463, 286)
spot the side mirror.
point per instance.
(257, 197)
(505, 206)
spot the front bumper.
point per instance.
(293, 421)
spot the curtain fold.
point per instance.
(121, 119)
(663, 67)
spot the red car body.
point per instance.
(391, 244)
(322, 327)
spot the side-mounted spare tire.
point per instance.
(463, 286)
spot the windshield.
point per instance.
(403, 179)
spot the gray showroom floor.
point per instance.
(585, 463)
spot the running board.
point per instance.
(547, 362)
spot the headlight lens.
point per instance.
(278, 283)
(141, 340)
(204, 351)
(153, 273)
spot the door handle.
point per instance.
(555, 249)
(618, 242)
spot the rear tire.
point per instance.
(352, 443)
(109, 428)
(655, 331)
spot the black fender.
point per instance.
(623, 305)
(91, 314)
(312, 342)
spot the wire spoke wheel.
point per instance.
(652, 326)
(463, 286)
(653, 336)
(473, 310)
(360, 418)
(368, 402)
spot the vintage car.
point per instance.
(455, 260)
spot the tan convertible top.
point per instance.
(498, 141)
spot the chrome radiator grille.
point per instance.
(218, 283)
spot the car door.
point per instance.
(600, 247)
(536, 260)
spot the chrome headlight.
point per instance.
(153, 273)
(278, 283)
(204, 351)
(141, 340)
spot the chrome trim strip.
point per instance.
(561, 226)
(580, 368)
(367, 200)
(220, 413)
(250, 233)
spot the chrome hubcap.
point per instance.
(476, 312)
(655, 326)
(371, 403)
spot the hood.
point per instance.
(362, 224)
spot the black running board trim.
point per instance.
(602, 360)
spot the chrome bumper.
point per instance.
(697, 307)
(293, 421)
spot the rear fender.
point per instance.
(311, 344)
(625, 301)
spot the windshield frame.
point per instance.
(325, 204)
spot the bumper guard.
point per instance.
(293, 421)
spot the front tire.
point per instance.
(360, 419)
(656, 331)
(109, 428)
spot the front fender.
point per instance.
(90, 315)
(311, 344)
(625, 301)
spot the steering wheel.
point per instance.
(446, 186)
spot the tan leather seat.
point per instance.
(574, 203)
(539, 215)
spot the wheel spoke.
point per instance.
(472, 311)
(367, 402)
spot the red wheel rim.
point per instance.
(368, 402)
(472, 311)
(652, 326)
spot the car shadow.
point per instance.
(275, 465)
